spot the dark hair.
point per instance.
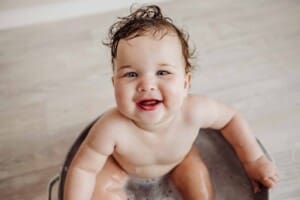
(143, 20)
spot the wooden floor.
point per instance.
(55, 79)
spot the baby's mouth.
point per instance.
(149, 104)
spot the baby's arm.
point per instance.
(88, 161)
(238, 133)
(257, 166)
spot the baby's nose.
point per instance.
(146, 85)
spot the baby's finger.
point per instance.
(256, 186)
(275, 178)
(269, 182)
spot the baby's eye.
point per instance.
(162, 73)
(130, 74)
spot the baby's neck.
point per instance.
(156, 128)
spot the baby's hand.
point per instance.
(263, 171)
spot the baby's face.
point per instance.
(149, 78)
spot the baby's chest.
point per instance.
(163, 149)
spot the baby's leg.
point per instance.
(110, 182)
(192, 179)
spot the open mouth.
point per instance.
(149, 104)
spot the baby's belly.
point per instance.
(146, 171)
(151, 171)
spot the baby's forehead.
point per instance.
(154, 32)
(150, 48)
(149, 43)
(143, 39)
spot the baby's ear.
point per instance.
(188, 79)
(112, 80)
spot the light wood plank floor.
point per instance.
(55, 79)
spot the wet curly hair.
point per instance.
(144, 20)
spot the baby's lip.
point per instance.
(148, 104)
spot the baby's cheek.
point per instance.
(120, 92)
(176, 97)
(120, 98)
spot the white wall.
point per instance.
(64, 10)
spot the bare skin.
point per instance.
(152, 129)
(190, 172)
(191, 178)
(191, 163)
(110, 182)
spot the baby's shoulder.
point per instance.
(110, 121)
(196, 107)
(107, 130)
(194, 103)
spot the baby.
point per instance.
(152, 129)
